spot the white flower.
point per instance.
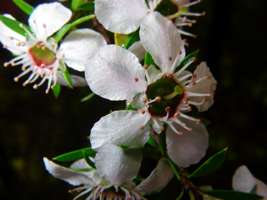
(244, 181)
(92, 182)
(38, 53)
(122, 16)
(161, 96)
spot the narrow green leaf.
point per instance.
(148, 59)
(132, 38)
(57, 90)
(87, 98)
(75, 4)
(121, 39)
(211, 165)
(187, 59)
(180, 195)
(75, 155)
(67, 77)
(88, 7)
(13, 25)
(60, 35)
(24, 6)
(232, 195)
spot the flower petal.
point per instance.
(138, 50)
(120, 16)
(11, 40)
(190, 147)
(204, 82)
(157, 180)
(116, 165)
(161, 39)
(48, 18)
(244, 181)
(115, 73)
(127, 128)
(79, 46)
(66, 174)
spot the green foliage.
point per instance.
(60, 35)
(75, 155)
(148, 59)
(232, 195)
(211, 165)
(57, 90)
(24, 6)
(82, 5)
(13, 25)
(67, 77)
(132, 38)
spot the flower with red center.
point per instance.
(159, 96)
(38, 53)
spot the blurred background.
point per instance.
(231, 38)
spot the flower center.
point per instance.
(164, 96)
(41, 55)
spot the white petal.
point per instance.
(116, 165)
(153, 74)
(115, 73)
(66, 174)
(120, 16)
(79, 46)
(207, 84)
(190, 147)
(128, 128)
(161, 39)
(77, 81)
(244, 181)
(138, 50)
(158, 179)
(11, 39)
(48, 18)
(261, 189)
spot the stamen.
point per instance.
(185, 67)
(186, 33)
(191, 3)
(16, 79)
(189, 118)
(174, 129)
(183, 125)
(194, 94)
(39, 84)
(29, 79)
(49, 84)
(193, 14)
(185, 77)
(157, 99)
(83, 193)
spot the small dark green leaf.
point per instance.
(211, 165)
(151, 141)
(75, 155)
(75, 4)
(13, 25)
(187, 59)
(57, 90)
(132, 38)
(148, 60)
(87, 98)
(67, 77)
(88, 7)
(232, 195)
(24, 6)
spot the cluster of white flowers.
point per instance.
(159, 95)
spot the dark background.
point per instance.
(231, 37)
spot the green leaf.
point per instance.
(24, 6)
(60, 35)
(67, 77)
(76, 155)
(88, 97)
(148, 59)
(121, 39)
(180, 195)
(57, 90)
(88, 7)
(211, 165)
(75, 4)
(132, 38)
(187, 59)
(232, 195)
(13, 25)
